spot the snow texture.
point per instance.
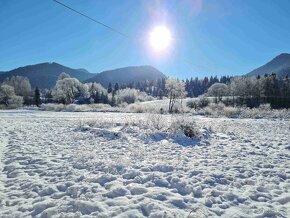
(62, 164)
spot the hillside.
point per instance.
(127, 74)
(44, 75)
(279, 65)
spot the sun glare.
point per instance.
(160, 38)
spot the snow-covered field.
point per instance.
(61, 164)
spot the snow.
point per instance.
(65, 164)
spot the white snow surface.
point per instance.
(55, 165)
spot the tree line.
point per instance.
(16, 91)
(194, 87)
(236, 91)
(252, 92)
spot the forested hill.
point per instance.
(280, 65)
(44, 75)
(126, 75)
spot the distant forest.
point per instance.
(235, 91)
(244, 91)
(193, 86)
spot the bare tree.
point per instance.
(175, 89)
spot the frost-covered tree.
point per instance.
(271, 86)
(116, 88)
(69, 89)
(95, 87)
(218, 90)
(20, 84)
(175, 89)
(6, 93)
(110, 89)
(63, 75)
(127, 95)
(286, 88)
(95, 91)
(8, 97)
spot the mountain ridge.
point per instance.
(127, 74)
(279, 65)
(44, 75)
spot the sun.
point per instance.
(160, 38)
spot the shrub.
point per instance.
(135, 108)
(127, 95)
(203, 102)
(187, 127)
(198, 103)
(192, 104)
(76, 107)
(156, 121)
(265, 107)
(264, 111)
(144, 108)
(131, 96)
(189, 131)
(52, 107)
(15, 102)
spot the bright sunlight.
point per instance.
(160, 38)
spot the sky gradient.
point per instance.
(210, 37)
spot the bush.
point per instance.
(128, 96)
(76, 107)
(198, 103)
(156, 121)
(131, 96)
(264, 111)
(192, 104)
(52, 107)
(144, 108)
(135, 108)
(15, 102)
(189, 131)
(173, 125)
(265, 107)
(203, 102)
(214, 109)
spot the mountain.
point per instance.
(44, 75)
(127, 74)
(279, 65)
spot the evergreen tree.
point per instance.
(113, 101)
(37, 97)
(116, 88)
(104, 98)
(110, 89)
(97, 97)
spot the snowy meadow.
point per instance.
(105, 164)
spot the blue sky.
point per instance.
(210, 37)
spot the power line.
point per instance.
(111, 28)
(92, 19)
